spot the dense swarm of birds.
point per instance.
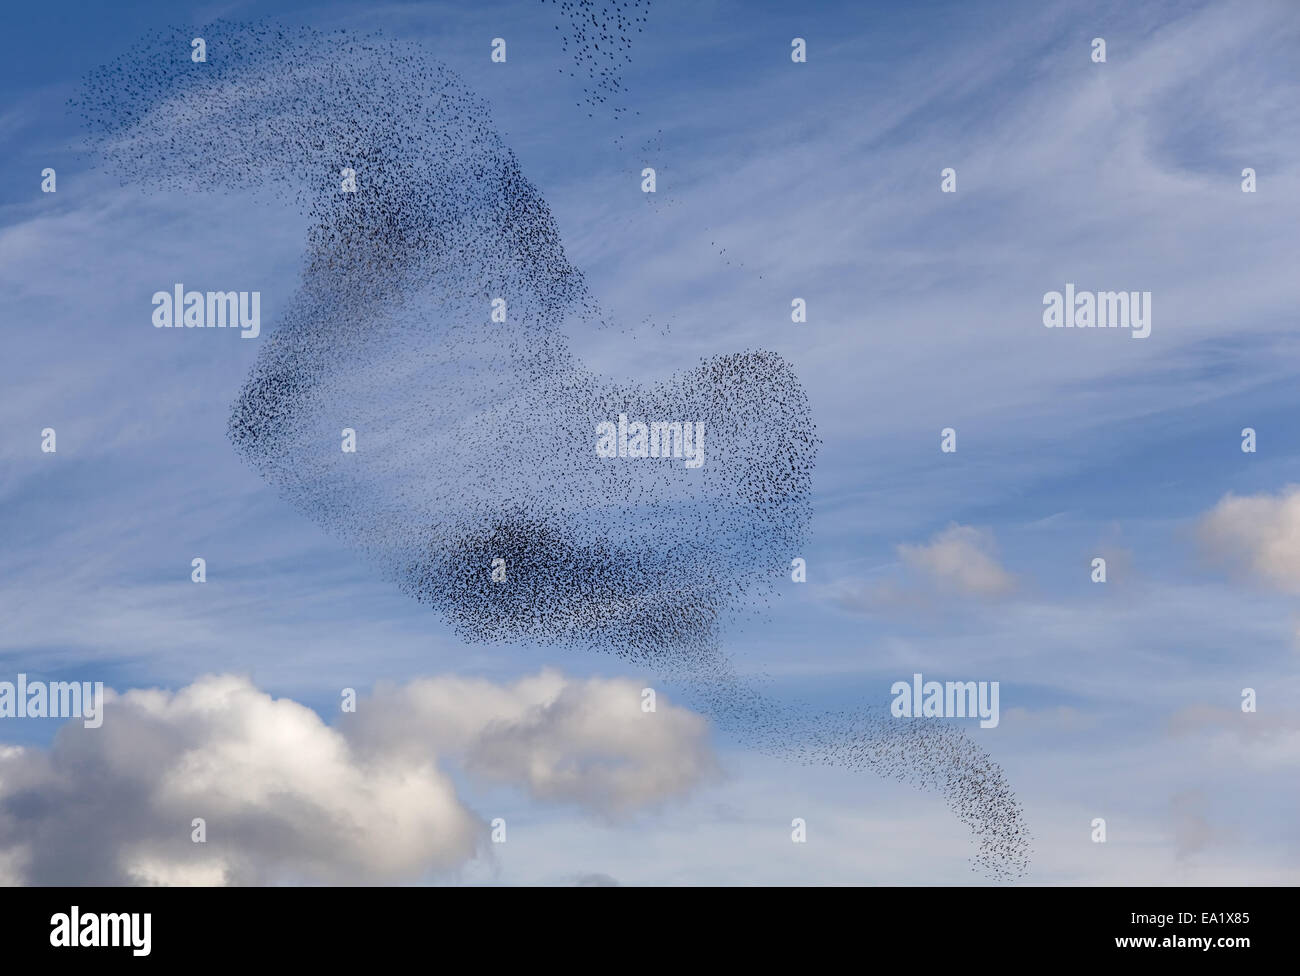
(476, 438)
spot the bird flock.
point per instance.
(475, 485)
(589, 24)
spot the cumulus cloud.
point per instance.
(1258, 533)
(961, 559)
(587, 743)
(287, 798)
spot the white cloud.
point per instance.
(961, 559)
(287, 798)
(958, 560)
(1260, 533)
(587, 743)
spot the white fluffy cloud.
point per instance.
(587, 743)
(961, 559)
(286, 797)
(1258, 532)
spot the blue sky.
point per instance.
(819, 180)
